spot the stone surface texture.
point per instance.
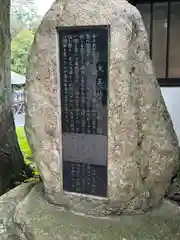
(26, 215)
(8, 203)
(142, 145)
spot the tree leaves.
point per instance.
(24, 22)
(19, 50)
(23, 16)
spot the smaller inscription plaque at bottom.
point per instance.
(85, 178)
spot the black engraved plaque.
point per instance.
(83, 59)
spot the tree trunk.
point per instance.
(11, 159)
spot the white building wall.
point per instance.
(172, 99)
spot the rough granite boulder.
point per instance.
(142, 145)
(26, 215)
(8, 204)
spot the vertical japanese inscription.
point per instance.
(84, 86)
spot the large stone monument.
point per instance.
(95, 116)
(101, 135)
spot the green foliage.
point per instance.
(24, 22)
(23, 16)
(19, 50)
(24, 146)
(21, 135)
